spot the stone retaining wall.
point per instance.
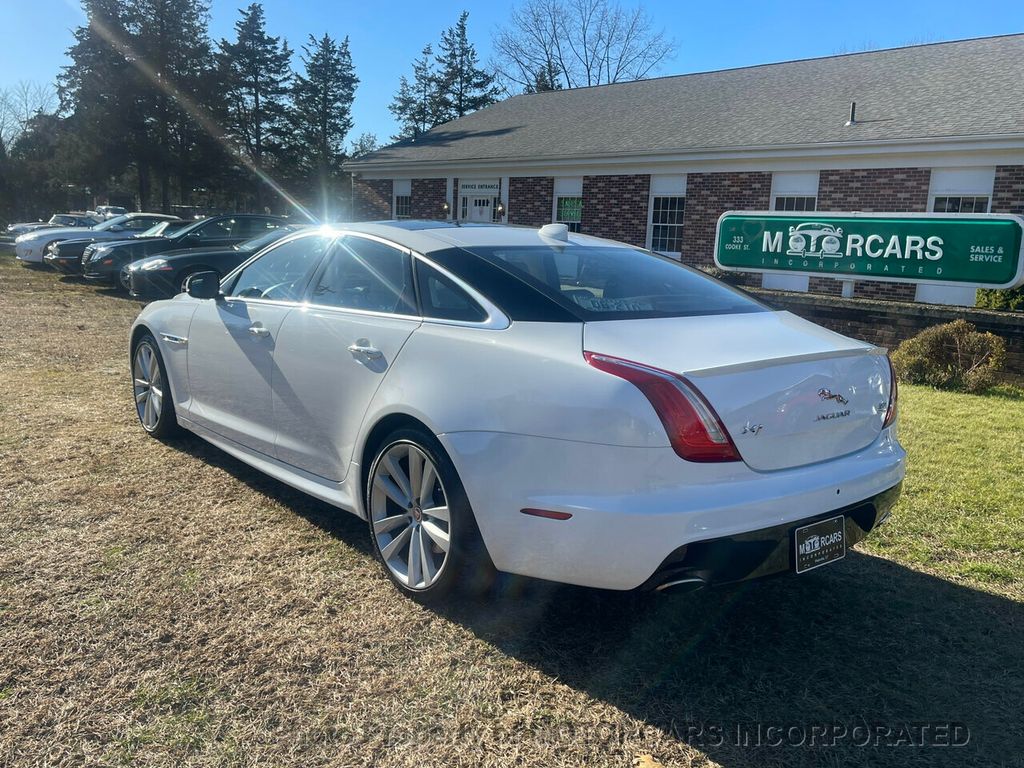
(887, 323)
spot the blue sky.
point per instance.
(386, 36)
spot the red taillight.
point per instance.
(693, 427)
(894, 393)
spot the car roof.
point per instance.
(426, 236)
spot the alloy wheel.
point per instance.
(148, 386)
(409, 514)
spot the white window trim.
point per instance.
(775, 198)
(662, 185)
(986, 195)
(400, 188)
(554, 207)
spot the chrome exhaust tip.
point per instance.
(679, 586)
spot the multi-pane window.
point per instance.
(569, 211)
(495, 215)
(796, 203)
(961, 204)
(667, 224)
(403, 206)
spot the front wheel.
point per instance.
(421, 524)
(153, 402)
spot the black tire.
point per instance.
(467, 566)
(156, 415)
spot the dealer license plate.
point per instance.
(820, 543)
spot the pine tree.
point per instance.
(98, 92)
(257, 75)
(364, 145)
(416, 106)
(546, 79)
(462, 86)
(323, 97)
(172, 40)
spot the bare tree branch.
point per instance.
(19, 104)
(586, 42)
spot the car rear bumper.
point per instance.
(640, 514)
(764, 552)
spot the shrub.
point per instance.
(1011, 300)
(725, 275)
(951, 356)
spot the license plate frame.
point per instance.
(816, 544)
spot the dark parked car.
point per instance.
(165, 275)
(66, 255)
(102, 262)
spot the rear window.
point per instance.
(602, 283)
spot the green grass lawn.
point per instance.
(166, 605)
(962, 510)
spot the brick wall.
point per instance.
(371, 199)
(900, 190)
(708, 196)
(616, 207)
(428, 198)
(530, 199)
(1008, 190)
(887, 323)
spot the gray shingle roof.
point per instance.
(965, 88)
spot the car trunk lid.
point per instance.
(788, 392)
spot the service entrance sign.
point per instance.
(948, 249)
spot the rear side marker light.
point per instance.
(546, 513)
(694, 429)
(894, 396)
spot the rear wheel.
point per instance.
(421, 524)
(153, 402)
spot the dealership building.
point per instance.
(928, 128)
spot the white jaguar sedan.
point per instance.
(535, 401)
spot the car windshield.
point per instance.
(111, 223)
(608, 283)
(163, 228)
(192, 226)
(261, 241)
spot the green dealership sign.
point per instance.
(951, 249)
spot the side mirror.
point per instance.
(204, 285)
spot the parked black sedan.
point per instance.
(66, 255)
(102, 262)
(165, 275)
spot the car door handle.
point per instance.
(362, 347)
(259, 330)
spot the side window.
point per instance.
(442, 299)
(368, 275)
(138, 225)
(281, 273)
(251, 227)
(215, 230)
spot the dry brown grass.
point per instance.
(164, 605)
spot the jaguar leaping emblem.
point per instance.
(827, 394)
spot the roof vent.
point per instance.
(853, 114)
(555, 232)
